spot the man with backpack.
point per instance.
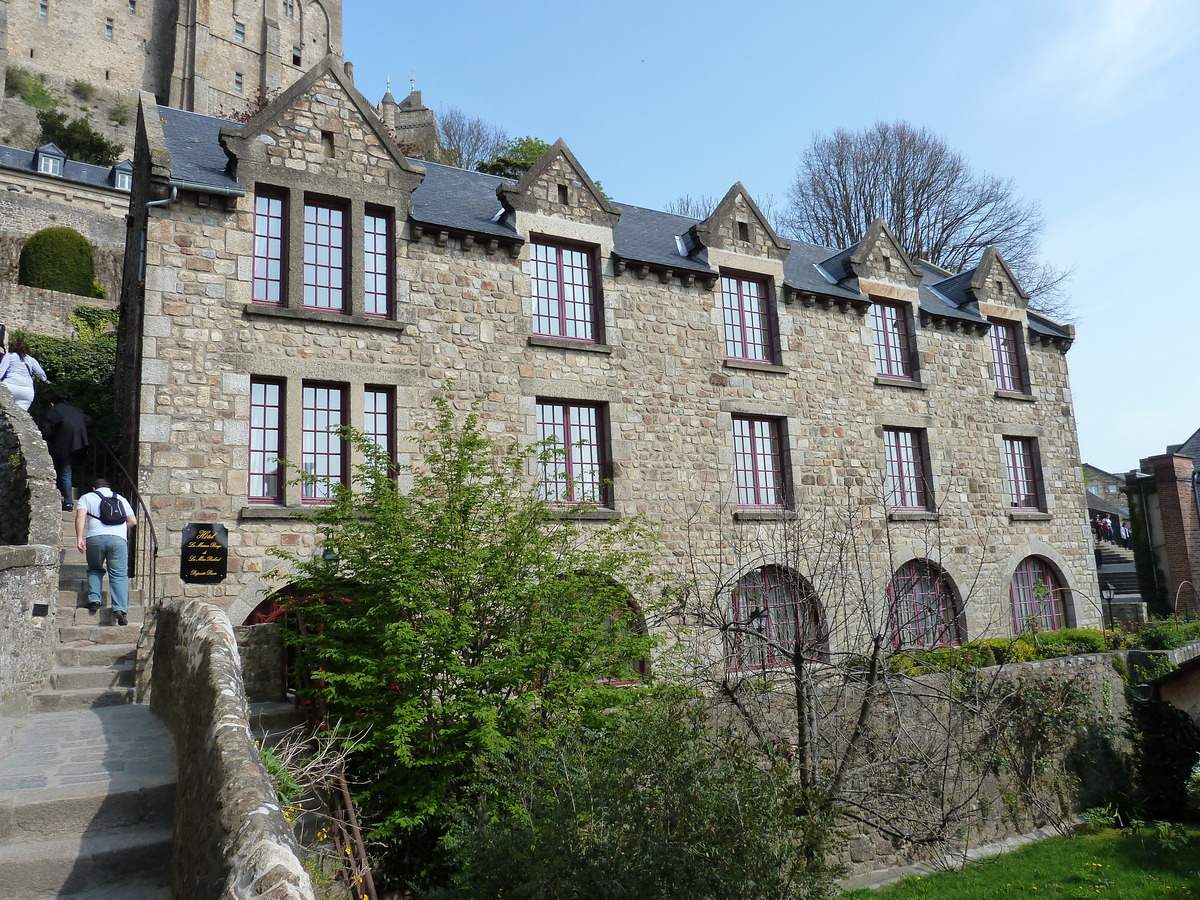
(102, 522)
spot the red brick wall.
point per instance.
(1180, 526)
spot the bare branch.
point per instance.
(468, 140)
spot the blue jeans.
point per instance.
(64, 479)
(108, 550)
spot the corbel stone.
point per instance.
(442, 238)
(642, 271)
(665, 275)
(514, 250)
(844, 305)
(491, 246)
(417, 233)
(619, 265)
(468, 241)
(825, 303)
(688, 279)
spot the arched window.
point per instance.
(1038, 597)
(775, 613)
(922, 607)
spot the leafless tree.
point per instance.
(939, 208)
(702, 205)
(803, 662)
(468, 140)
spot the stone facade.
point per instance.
(188, 53)
(460, 323)
(29, 540)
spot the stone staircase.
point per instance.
(87, 781)
(1116, 567)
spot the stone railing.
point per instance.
(30, 535)
(231, 838)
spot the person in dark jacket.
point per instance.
(66, 430)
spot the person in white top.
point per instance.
(17, 368)
(106, 544)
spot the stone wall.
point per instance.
(263, 661)
(991, 815)
(231, 839)
(30, 535)
(40, 311)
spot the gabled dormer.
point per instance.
(49, 160)
(993, 284)
(321, 134)
(559, 187)
(878, 257)
(121, 175)
(737, 225)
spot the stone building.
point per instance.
(298, 272)
(202, 55)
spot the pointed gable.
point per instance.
(320, 128)
(557, 185)
(879, 257)
(737, 225)
(994, 283)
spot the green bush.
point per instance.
(82, 89)
(118, 114)
(60, 259)
(82, 371)
(30, 88)
(77, 138)
(1166, 634)
(998, 651)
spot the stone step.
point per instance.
(79, 677)
(53, 867)
(80, 698)
(97, 633)
(94, 654)
(65, 811)
(103, 617)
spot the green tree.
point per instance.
(516, 158)
(443, 619)
(77, 138)
(59, 259)
(657, 801)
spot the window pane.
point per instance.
(747, 331)
(758, 462)
(323, 258)
(322, 451)
(564, 302)
(889, 325)
(265, 420)
(572, 471)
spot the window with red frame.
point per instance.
(758, 463)
(324, 256)
(748, 332)
(378, 425)
(269, 216)
(564, 292)
(1007, 359)
(922, 608)
(774, 617)
(322, 450)
(893, 346)
(377, 264)
(905, 476)
(572, 471)
(1024, 477)
(266, 434)
(1038, 600)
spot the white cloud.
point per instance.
(1108, 53)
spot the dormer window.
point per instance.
(122, 176)
(49, 160)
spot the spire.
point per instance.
(388, 99)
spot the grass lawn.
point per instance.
(1106, 865)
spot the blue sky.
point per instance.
(1090, 106)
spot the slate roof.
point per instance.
(197, 158)
(77, 172)
(1190, 447)
(462, 200)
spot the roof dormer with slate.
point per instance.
(49, 160)
(881, 266)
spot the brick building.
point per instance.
(1164, 502)
(298, 272)
(203, 56)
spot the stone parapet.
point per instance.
(231, 838)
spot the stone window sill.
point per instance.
(315, 315)
(1015, 395)
(912, 515)
(266, 511)
(751, 366)
(1028, 515)
(764, 515)
(538, 340)
(587, 513)
(892, 381)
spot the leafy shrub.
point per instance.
(1166, 634)
(29, 87)
(82, 370)
(82, 89)
(118, 114)
(60, 259)
(1166, 743)
(1072, 641)
(1193, 788)
(77, 138)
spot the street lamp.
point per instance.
(1107, 593)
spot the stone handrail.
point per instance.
(231, 839)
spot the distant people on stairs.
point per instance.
(102, 522)
(65, 428)
(17, 369)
